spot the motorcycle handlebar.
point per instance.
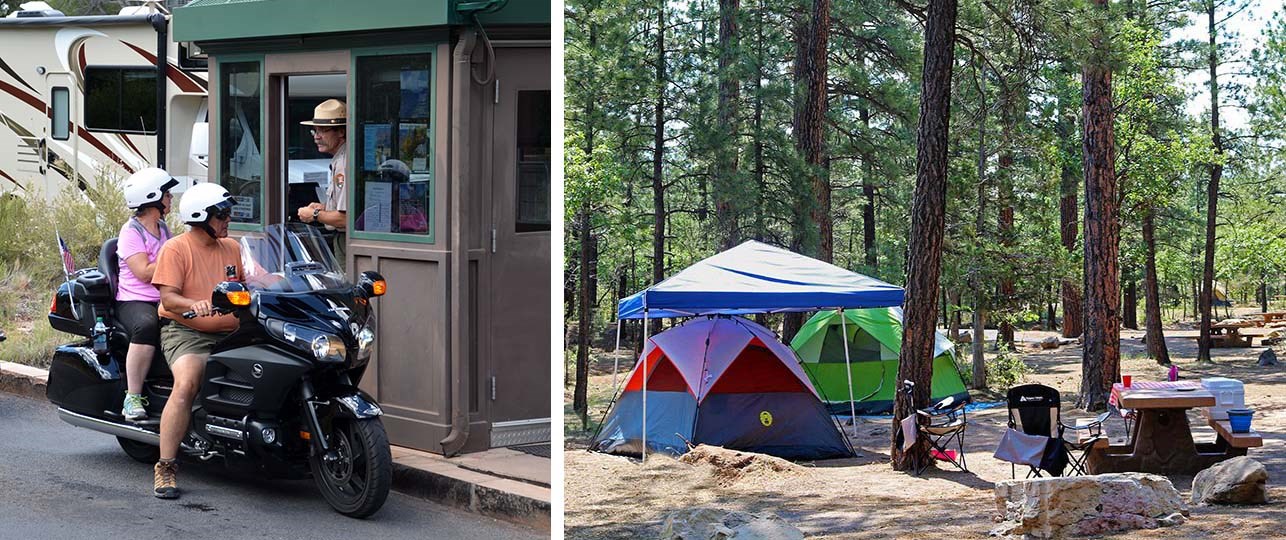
(213, 311)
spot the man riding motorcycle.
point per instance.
(188, 268)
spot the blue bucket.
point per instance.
(1240, 420)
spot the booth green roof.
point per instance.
(210, 20)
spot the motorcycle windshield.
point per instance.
(292, 257)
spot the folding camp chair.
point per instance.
(1078, 450)
(1034, 410)
(946, 422)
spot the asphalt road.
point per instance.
(64, 482)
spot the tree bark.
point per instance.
(1212, 192)
(1100, 360)
(726, 193)
(979, 338)
(1151, 292)
(924, 261)
(1068, 221)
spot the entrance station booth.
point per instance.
(448, 142)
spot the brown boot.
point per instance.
(165, 479)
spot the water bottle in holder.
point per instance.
(100, 337)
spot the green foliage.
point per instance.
(1005, 369)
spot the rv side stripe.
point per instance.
(11, 180)
(125, 138)
(4, 65)
(103, 148)
(20, 94)
(184, 83)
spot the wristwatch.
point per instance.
(316, 212)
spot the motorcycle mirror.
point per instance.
(371, 283)
(230, 295)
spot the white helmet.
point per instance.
(198, 200)
(147, 186)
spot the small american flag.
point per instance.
(69, 266)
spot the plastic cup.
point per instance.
(1125, 381)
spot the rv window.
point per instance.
(240, 135)
(391, 146)
(121, 100)
(192, 57)
(61, 122)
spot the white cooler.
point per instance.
(1229, 394)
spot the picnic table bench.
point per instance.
(1235, 440)
(1161, 440)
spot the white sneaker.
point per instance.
(133, 408)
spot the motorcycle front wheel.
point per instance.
(355, 480)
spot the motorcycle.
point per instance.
(279, 395)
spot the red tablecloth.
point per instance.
(1151, 385)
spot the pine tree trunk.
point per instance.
(1069, 218)
(924, 261)
(726, 193)
(979, 346)
(1005, 221)
(1212, 194)
(868, 196)
(658, 154)
(1100, 360)
(1129, 313)
(1151, 291)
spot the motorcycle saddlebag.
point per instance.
(79, 303)
(84, 382)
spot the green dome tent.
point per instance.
(874, 340)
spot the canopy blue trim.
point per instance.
(758, 278)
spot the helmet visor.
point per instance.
(221, 211)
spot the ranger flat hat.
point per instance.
(331, 112)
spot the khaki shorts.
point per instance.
(178, 340)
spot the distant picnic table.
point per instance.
(1161, 440)
(1233, 333)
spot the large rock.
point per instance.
(1086, 505)
(716, 524)
(1239, 480)
(1051, 342)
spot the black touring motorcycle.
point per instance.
(279, 396)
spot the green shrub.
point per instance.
(84, 219)
(1005, 369)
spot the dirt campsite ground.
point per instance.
(616, 497)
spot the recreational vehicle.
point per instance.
(84, 94)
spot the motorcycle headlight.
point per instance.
(325, 347)
(365, 339)
(328, 348)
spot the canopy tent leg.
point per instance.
(616, 358)
(852, 407)
(645, 377)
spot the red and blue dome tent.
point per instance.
(751, 278)
(724, 381)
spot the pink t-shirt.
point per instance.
(135, 239)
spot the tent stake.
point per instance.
(852, 407)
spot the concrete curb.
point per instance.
(23, 380)
(497, 497)
(509, 500)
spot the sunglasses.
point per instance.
(320, 130)
(222, 214)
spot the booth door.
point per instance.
(519, 333)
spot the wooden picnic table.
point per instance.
(1271, 316)
(1231, 330)
(1161, 441)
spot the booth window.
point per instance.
(61, 127)
(240, 161)
(391, 146)
(120, 99)
(534, 135)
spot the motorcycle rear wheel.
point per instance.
(357, 482)
(141, 452)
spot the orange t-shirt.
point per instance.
(195, 269)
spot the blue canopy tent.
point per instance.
(754, 278)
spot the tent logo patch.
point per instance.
(765, 418)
